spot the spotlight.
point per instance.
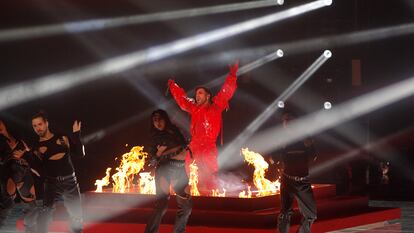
(105, 23)
(21, 92)
(98, 135)
(274, 138)
(279, 53)
(327, 54)
(247, 133)
(327, 105)
(281, 104)
(327, 2)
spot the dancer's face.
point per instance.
(202, 97)
(40, 126)
(158, 121)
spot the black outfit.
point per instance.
(18, 171)
(60, 180)
(171, 172)
(295, 183)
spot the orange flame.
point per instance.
(172, 191)
(264, 186)
(216, 193)
(243, 194)
(104, 182)
(193, 181)
(146, 183)
(131, 164)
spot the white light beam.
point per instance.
(101, 24)
(239, 141)
(25, 91)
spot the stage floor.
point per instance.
(113, 212)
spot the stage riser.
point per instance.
(201, 203)
(224, 218)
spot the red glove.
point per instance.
(171, 82)
(234, 68)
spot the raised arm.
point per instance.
(227, 90)
(310, 148)
(76, 146)
(180, 96)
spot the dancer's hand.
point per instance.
(19, 153)
(171, 82)
(234, 68)
(26, 148)
(160, 150)
(76, 126)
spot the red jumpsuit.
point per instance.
(205, 127)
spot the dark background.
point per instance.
(119, 105)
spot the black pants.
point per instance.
(172, 173)
(303, 193)
(68, 189)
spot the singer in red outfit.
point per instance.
(206, 122)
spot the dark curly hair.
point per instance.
(164, 115)
(40, 114)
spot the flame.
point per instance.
(146, 183)
(172, 191)
(243, 193)
(264, 186)
(104, 182)
(216, 193)
(131, 164)
(193, 181)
